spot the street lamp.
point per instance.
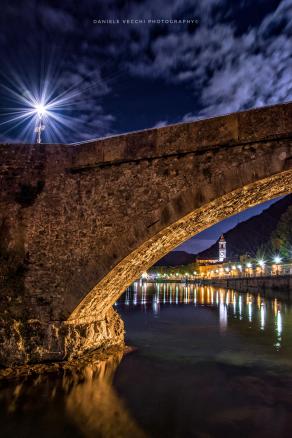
(277, 261)
(262, 264)
(249, 269)
(41, 111)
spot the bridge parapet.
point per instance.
(256, 125)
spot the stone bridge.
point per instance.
(79, 223)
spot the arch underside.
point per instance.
(100, 299)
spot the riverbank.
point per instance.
(272, 284)
(279, 284)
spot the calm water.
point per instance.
(209, 363)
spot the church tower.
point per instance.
(222, 249)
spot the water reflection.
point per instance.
(82, 400)
(262, 310)
(94, 405)
(278, 326)
(259, 312)
(209, 362)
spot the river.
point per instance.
(208, 362)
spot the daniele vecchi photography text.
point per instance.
(145, 21)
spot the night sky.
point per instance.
(206, 238)
(233, 55)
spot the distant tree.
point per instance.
(281, 239)
(245, 258)
(181, 270)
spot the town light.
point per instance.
(277, 259)
(248, 265)
(262, 263)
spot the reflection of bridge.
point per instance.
(78, 224)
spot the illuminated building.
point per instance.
(222, 249)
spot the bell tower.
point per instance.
(222, 249)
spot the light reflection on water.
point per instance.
(72, 403)
(255, 309)
(209, 363)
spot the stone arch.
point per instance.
(108, 290)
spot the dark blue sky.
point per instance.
(205, 239)
(232, 56)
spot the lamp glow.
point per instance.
(277, 259)
(33, 107)
(41, 110)
(261, 263)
